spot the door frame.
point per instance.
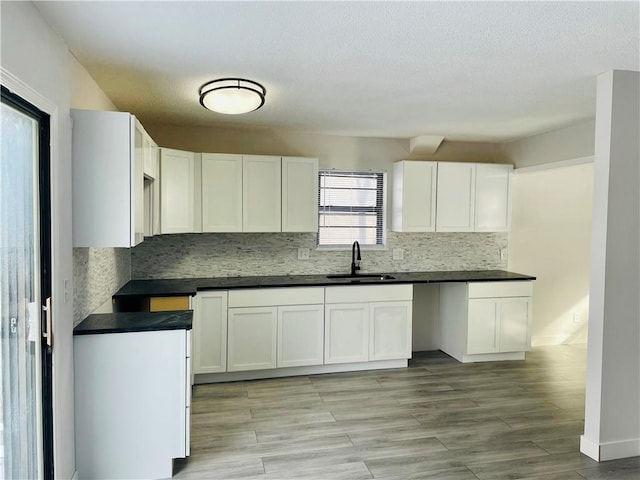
(25, 98)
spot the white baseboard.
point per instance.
(610, 450)
(292, 371)
(543, 340)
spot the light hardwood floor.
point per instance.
(438, 419)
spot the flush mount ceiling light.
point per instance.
(232, 95)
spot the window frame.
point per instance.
(381, 219)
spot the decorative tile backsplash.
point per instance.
(246, 254)
(97, 274)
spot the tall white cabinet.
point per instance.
(414, 196)
(108, 180)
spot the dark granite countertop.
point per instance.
(134, 322)
(189, 286)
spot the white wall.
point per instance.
(34, 54)
(574, 141)
(85, 92)
(550, 239)
(97, 272)
(612, 407)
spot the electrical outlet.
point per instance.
(503, 254)
(577, 317)
(398, 254)
(303, 254)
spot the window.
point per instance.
(350, 208)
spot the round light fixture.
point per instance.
(232, 95)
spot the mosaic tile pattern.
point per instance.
(246, 254)
(97, 273)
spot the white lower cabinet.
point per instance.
(251, 341)
(210, 332)
(377, 327)
(256, 329)
(132, 403)
(300, 335)
(346, 333)
(486, 321)
(390, 330)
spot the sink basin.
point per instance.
(364, 276)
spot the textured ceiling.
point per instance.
(487, 71)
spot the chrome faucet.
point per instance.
(355, 261)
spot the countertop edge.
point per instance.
(190, 286)
(132, 322)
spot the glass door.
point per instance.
(25, 285)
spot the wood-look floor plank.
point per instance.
(436, 420)
(411, 465)
(529, 467)
(623, 469)
(459, 473)
(300, 461)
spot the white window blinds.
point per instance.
(350, 208)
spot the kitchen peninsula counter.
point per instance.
(124, 322)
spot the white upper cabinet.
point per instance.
(150, 153)
(414, 196)
(108, 191)
(455, 206)
(299, 194)
(177, 185)
(493, 198)
(261, 193)
(221, 192)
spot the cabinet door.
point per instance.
(155, 206)
(346, 333)
(210, 333)
(137, 186)
(414, 196)
(390, 330)
(300, 335)
(493, 198)
(261, 193)
(251, 338)
(455, 197)
(482, 333)
(221, 192)
(177, 174)
(105, 185)
(299, 194)
(515, 320)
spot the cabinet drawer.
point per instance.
(500, 289)
(369, 293)
(271, 297)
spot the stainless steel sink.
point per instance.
(364, 276)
